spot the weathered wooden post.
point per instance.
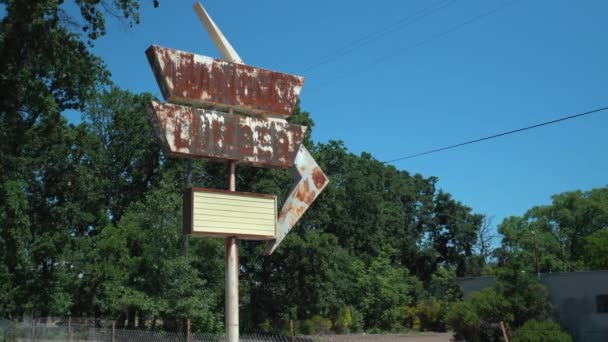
(69, 328)
(113, 330)
(188, 330)
(33, 329)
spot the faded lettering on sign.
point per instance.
(194, 79)
(201, 133)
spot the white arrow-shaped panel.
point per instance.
(312, 180)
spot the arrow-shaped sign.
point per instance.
(311, 182)
(186, 78)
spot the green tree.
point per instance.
(444, 285)
(429, 314)
(388, 290)
(52, 197)
(463, 319)
(310, 275)
(139, 269)
(516, 298)
(528, 298)
(454, 232)
(127, 154)
(555, 234)
(595, 254)
(366, 205)
(90, 213)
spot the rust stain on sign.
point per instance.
(201, 133)
(187, 78)
(311, 181)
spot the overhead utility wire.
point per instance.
(436, 36)
(373, 36)
(498, 135)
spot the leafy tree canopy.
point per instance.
(563, 236)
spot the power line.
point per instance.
(498, 135)
(373, 36)
(432, 38)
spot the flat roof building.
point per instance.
(581, 299)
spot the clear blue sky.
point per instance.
(419, 88)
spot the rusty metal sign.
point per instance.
(187, 81)
(312, 180)
(266, 139)
(188, 132)
(187, 78)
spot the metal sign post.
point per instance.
(204, 121)
(232, 272)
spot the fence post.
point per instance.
(69, 328)
(33, 328)
(292, 329)
(188, 330)
(113, 330)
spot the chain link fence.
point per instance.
(86, 329)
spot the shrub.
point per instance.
(431, 314)
(266, 326)
(410, 318)
(357, 323)
(317, 325)
(348, 320)
(478, 317)
(541, 331)
(344, 321)
(529, 298)
(386, 292)
(443, 285)
(465, 322)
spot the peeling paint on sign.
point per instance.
(187, 78)
(201, 133)
(311, 181)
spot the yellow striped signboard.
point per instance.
(219, 213)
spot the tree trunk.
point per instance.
(131, 317)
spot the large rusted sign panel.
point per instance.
(201, 133)
(187, 78)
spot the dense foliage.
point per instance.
(568, 235)
(90, 212)
(517, 297)
(477, 318)
(90, 215)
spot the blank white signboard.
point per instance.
(219, 213)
